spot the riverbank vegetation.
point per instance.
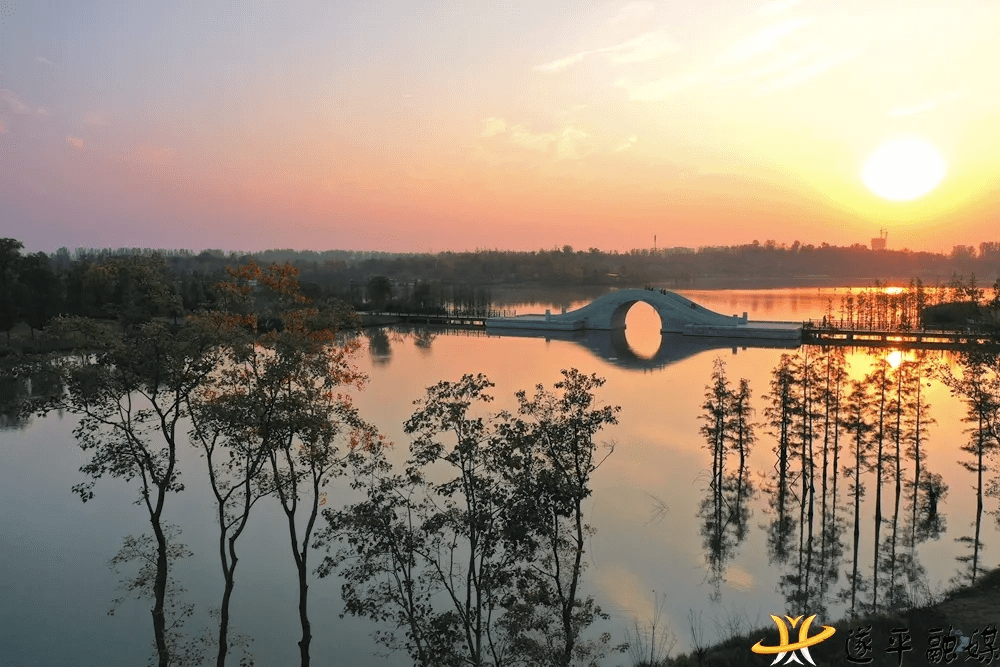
(105, 283)
(960, 627)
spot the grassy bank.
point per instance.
(967, 611)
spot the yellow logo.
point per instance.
(793, 650)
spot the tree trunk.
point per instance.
(160, 593)
(304, 610)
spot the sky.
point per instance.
(430, 125)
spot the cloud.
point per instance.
(563, 63)
(647, 46)
(75, 142)
(3, 128)
(13, 102)
(925, 105)
(661, 89)
(43, 59)
(536, 141)
(778, 7)
(493, 126)
(634, 12)
(628, 144)
(569, 143)
(94, 118)
(151, 153)
(808, 72)
(783, 64)
(763, 42)
(42, 112)
(573, 144)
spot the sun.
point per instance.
(904, 169)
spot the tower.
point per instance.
(880, 242)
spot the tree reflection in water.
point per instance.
(725, 511)
(822, 427)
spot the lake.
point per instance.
(647, 505)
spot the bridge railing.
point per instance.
(841, 326)
(477, 313)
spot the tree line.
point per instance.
(37, 286)
(469, 553)
(960, 302)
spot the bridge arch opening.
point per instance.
(642, 328)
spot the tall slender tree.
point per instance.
(857, 423)
(979, 387)
(301, 413)
(131, 390)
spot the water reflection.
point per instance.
(613, 346)
(19, 383)
(725, 510)
(379, 346)
(823, 427)
(58, 547)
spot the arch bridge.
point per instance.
(677, 313)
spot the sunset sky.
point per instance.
(424, 125)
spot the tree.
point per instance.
(10, 256)
(39, 291)
(857, 422)
(288, 408)
(379, 291)
(131, 391)
(726, 425)
(475, 551)
(561, 431)
(979, 388)
(232, 417)
(142, 553)
(780, 415)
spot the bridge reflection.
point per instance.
(613, 347)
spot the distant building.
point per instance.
(880, 242)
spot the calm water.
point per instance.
(57, 588)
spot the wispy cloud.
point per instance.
(739, 63)
(536, 141)
(925, 105)
(493, 126)
(763, 42)
(94, 118)
(3, 128)
(569, 143)
(661, 89)
(562, 63)
(573, 144)
(634, 12)
(41, 111)
(152, 153)
(75, 142)
(808, 72)
(43, 59)
(647, 46)
(13, 102)
(628, 144)
(778, 7)
(782, 64)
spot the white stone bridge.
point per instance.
(678, 314)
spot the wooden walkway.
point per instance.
(450, 319)
(923, 338)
